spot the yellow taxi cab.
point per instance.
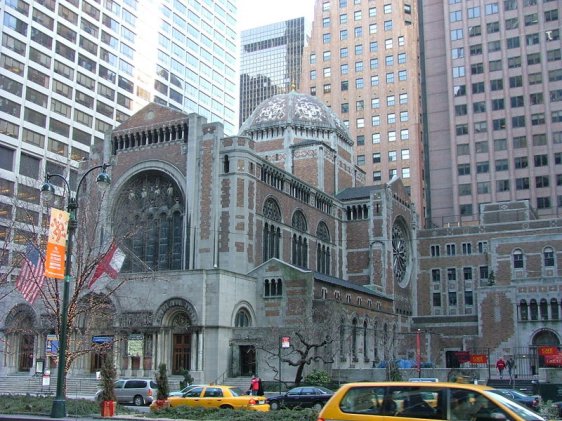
(216, 396)
(409, 401)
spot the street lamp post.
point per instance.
(103, 180)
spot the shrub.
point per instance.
(318, 378)
(108, 376)
(162, 382)
(187, 379)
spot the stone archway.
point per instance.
(180, 339)
(546, 337)
(543, 339)
(21, 335)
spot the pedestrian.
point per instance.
(510, 366)
(260, 387)
(254, 385)
(500, 365)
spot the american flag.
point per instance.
(32, 274)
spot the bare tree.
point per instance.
(311, 338)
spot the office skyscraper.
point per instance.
(493, 91)
(72, 70)
(270, 62)
(362, 60)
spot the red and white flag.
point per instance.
(31, 277)
(109, 265)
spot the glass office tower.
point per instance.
(72, 70)
(270, 62)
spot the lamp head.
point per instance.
(103, 180)
(47, 191)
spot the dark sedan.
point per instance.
(519, 397)
(302, 397)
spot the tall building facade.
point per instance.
(363, 61)
(72, 70)
(493, 91)
(270, 62)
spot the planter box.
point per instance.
(107, 408)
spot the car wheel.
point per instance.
(317, 406)
(226, 407)
(138, 400)
(274, 406)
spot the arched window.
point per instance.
(523, 310)
(554, 313)
(354, 339)
(299, 243)
(273, 287)
(150, 215)
(365, 355)
(342, 340)
(544, 309)
(375, 343)
(242, 318)
(518, 261)
(534, 309)
(226, 165)
(548, 257)
(271, 232)
(323, 250)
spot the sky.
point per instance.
(254, 13)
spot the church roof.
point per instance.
(293, 109)
(151, 115)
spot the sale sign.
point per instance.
(56, 245)
(478, 358)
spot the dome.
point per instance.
(296, 110)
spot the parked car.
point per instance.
(302, 397)
(216, 396)
(184, 390)
(532, 402)
(407, 401)
(136, 391)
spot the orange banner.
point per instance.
(478, 358)
(56, 246)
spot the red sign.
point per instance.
(548, 350)
(479, 359)
(554, 360)
(285, 342)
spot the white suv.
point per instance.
(136, 391)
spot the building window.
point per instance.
(548, 257)
(243, 318)
(518, 259)
(300, 242)
(273, 288)
(271, 232)
(435, 251)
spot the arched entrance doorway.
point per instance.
(179, 340)
(545, 342)
(20, 338)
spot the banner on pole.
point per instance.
(56, 246)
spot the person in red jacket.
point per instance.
(500, 365)
(255, 385)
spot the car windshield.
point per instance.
(523, 412)
(236, 391)
(322, 390)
